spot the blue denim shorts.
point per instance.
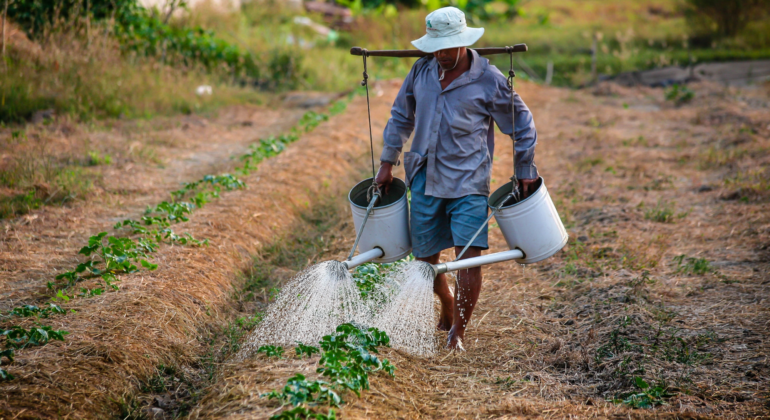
(440, 223)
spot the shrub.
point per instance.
(725, 18)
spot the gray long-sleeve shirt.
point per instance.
(454, 134)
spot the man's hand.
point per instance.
(526, 186)
(385, 176)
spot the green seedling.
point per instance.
(302, 349)
(271, 351)
(299, 390)
(302, 413)
(347, 359)
(679, 94)
(661, 213)
(650, 396)
(26, 311)
(19, 338)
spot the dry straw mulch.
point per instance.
(638, 182)
(163, 317)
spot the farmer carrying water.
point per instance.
(450, 100)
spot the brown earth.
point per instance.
(638, 182)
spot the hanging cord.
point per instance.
(373, 192)
(365, 83)
(511, 75)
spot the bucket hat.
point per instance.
(446, 28)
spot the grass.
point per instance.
(95, 80)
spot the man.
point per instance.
(450, 100)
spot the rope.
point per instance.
(365, 83)
(511, 75)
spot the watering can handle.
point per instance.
(375, 198)
(514, 179)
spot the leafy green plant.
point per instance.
(8, 354)
(368, 276)
(648, 397)
(691, 265)
(271, 351)
(19, 338)
(311, 120)
(302, 349)
(347, 358)
(26, 311)
(301, 413)
(299, 390)
(679, 94)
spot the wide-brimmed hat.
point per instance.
(446, 28)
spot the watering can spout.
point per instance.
(364, 258)
(514, 254)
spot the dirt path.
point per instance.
(638, 182)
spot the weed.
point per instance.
(617, 344)
(663, 212)
(95, 159)
(159, 382)
(691, 265)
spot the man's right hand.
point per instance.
(385, 176)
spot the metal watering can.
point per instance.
(532, 227)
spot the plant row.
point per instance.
(130, 248)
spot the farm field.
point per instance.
(661, 293)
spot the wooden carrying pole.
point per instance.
(417, 53)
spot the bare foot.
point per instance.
(444, 324)
(455, 340)
(445, 318)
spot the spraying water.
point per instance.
(409, 317)
(309, 307)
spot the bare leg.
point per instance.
(466, 295)
(441, 289)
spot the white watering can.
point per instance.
(532, 227)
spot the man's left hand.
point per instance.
(527, 187)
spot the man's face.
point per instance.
(447, 58)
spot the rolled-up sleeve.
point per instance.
(526, 134)
(401, 122)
